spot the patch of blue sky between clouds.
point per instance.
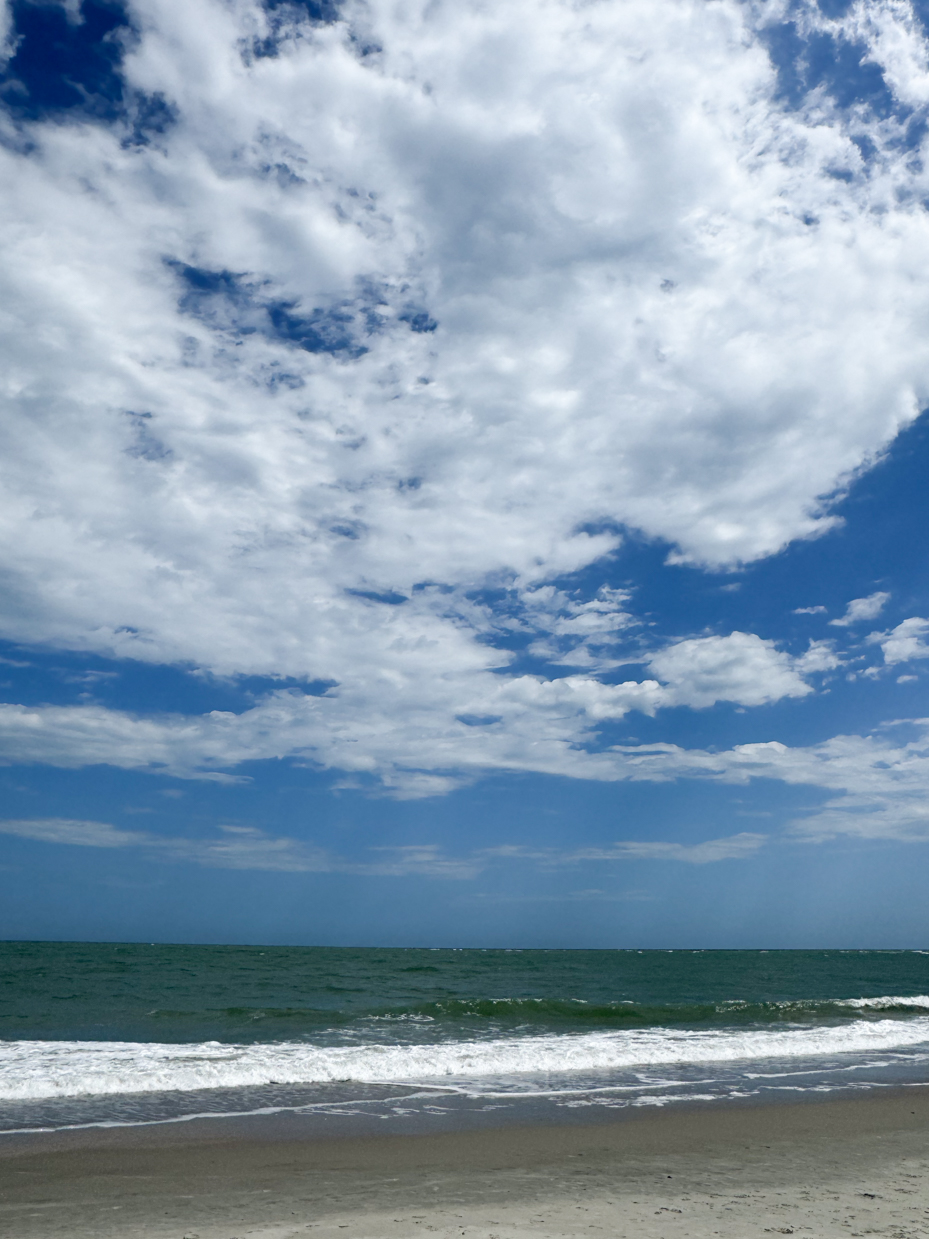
(287, 20)
(830, 63)
(238, 305)
(64, 63)
(233, 304)
(65, 60)
(824, 58)
(37, 677)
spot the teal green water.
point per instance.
(137, 1033)
(137, 992)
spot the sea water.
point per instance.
(134, 1033)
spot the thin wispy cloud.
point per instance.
(243, 847)
(246, 847)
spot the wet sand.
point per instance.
(823, 1168)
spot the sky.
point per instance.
(463, 472)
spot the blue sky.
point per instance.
(462, 476)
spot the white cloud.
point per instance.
(902, 818)
(575, 633)
(741, 668)
(879, 784)
(904, 642)
(734, 847)
(657, 305)
(414, 744)
(69, 830)
(809, 610)
(883, 784)
(820, 656)
(412, 749)
(862, 609)
(6, 33)
(244, 847)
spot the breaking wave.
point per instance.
(47, 1069)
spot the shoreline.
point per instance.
(219, 1179)
(339, 1121)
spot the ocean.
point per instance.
(104, 1034)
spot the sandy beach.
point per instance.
(823, 1168)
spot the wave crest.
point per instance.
(44, 1069)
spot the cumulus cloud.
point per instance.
(741, 668)
(862, 609)
(904, 642)
(818, 657)
(429, 301)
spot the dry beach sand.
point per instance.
(823, 1168)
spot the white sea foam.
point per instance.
(887, 1003)
(44, 1069)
